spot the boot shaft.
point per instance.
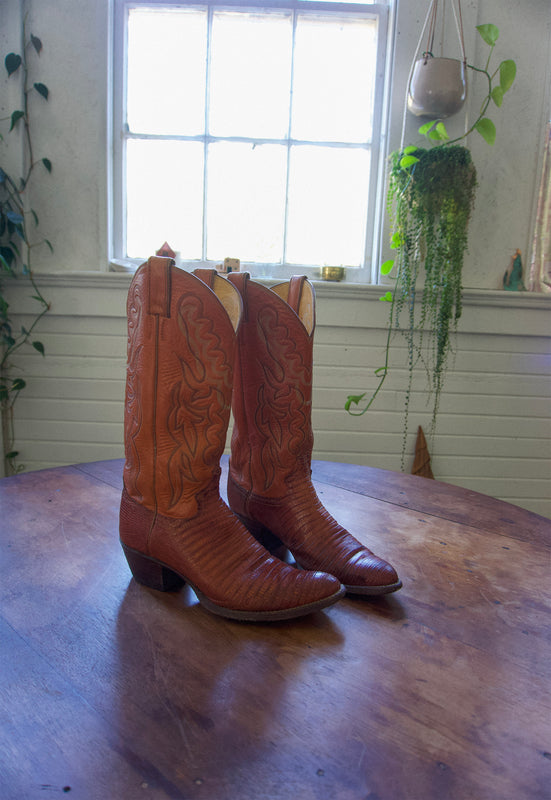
(272, 401)
(181, 342)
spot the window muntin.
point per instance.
(249, 132)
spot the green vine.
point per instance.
(18, 238)
(430, 200)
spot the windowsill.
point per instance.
(342, 290)
(266, 273)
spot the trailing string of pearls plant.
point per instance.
(430, 200)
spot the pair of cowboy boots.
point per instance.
(199, 344)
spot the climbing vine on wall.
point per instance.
(19, 236)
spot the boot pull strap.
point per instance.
(296, 285)
(158, 289)
(240, 281)
(207, 276)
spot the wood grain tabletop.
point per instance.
(110, 690)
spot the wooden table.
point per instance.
(112, 691)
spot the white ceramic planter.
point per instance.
(438, 87)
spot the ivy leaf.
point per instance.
(441, 128)
(490, 33)
(35, 216)
(4, 265)
(36, 43)
(14, 217)
(497, 95)
(15, 117)
(11, 455)
(18, 230)
(507, 74)
(7, 254)
(424, 129)
(396, 240)
(39, 347)
(42, 90)
(408, 161)
(12, 63)
(379, 371)
(353, 398)
(18, 384)
(386, 267)
(440, 133)
(47, 163)
(486, 129)
(386, 298)
(411, 148)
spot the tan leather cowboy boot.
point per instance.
(269, 485)
(174, 527)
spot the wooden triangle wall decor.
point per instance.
(421, 462)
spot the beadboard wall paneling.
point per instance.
(494, 429)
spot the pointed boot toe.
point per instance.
(369, 575)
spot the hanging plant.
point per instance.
(432, 205)
(430, 200)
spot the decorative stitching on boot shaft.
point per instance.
(178, 393)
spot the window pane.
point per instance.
(334, 78)
(250, 75)
(166, 71)
(164, 197)
(328, 190)
(246, 201)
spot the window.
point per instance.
(249, 131)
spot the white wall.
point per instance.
(72, 409)
(72, 128)
(493, 430)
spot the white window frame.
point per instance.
(368, 273)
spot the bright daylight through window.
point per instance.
(249, 131)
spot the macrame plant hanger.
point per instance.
(436, 86)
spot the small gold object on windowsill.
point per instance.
(332, 273)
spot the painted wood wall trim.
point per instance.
(121, 280)
(494, 431)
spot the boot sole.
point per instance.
(274, 545)
(153, 574)
(374, 591)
